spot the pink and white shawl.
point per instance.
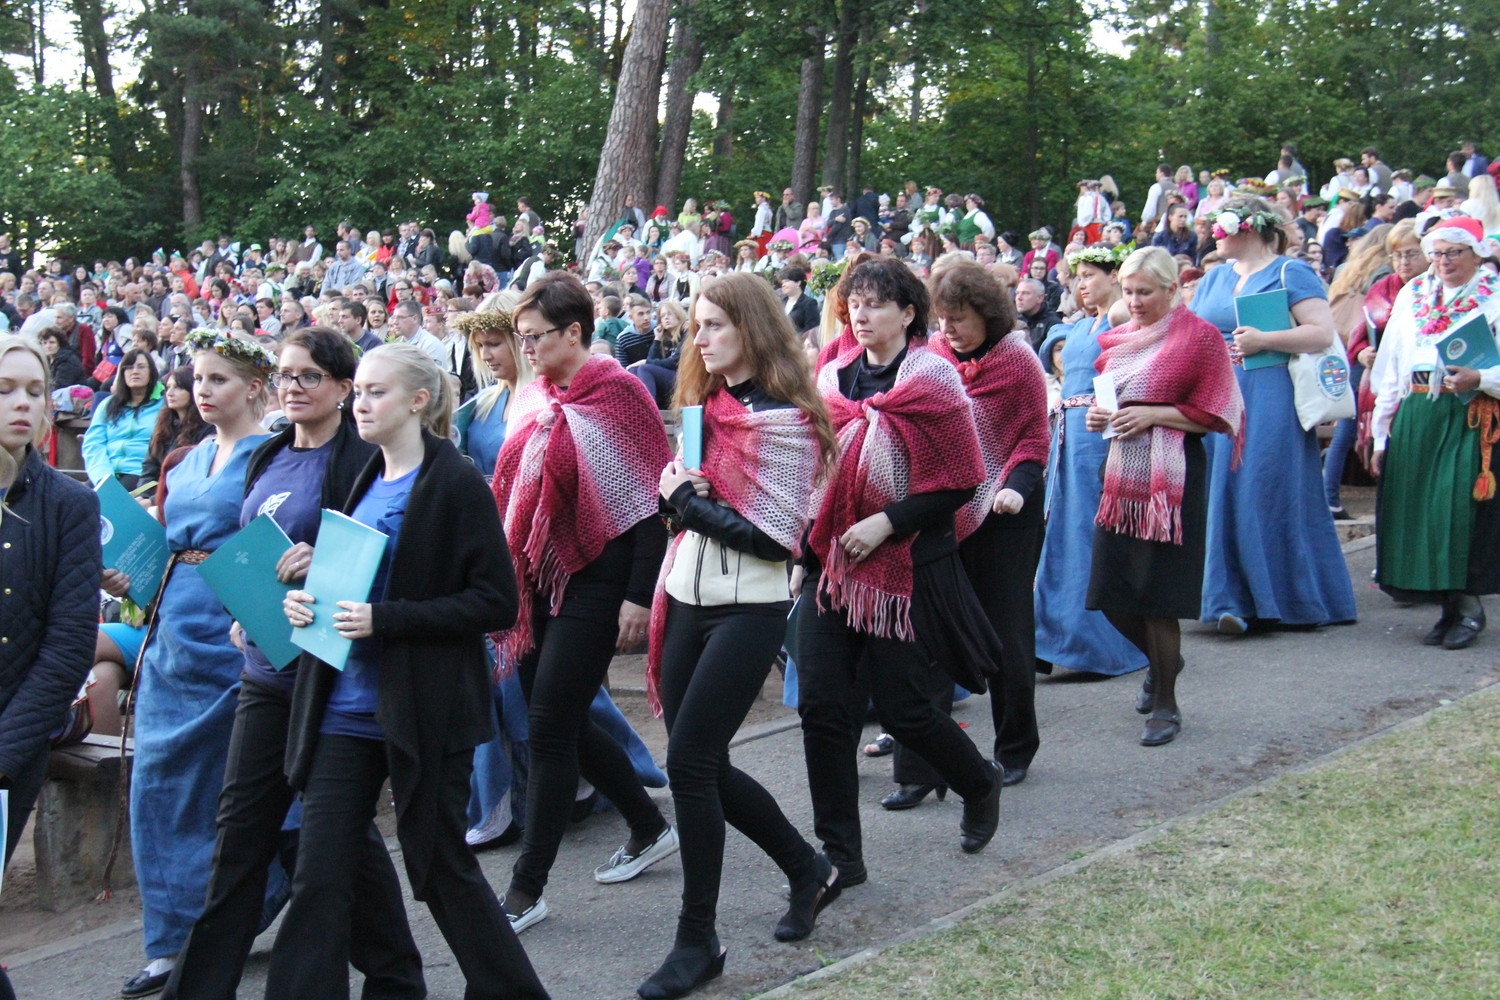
(1009, 393)
(917, 438)
(1179, 361)
(581, 467)
(764, 465)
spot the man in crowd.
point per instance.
(525, 214)
(310, 250)
(1379, 173)
(1156, 198)
(1031, 306)
(840, 225)
(406, 321)
(353, 323)
(1314, 210)
(1456, 178)
(1474, 162)
(344, 270)
(790, 212)
(10, 257)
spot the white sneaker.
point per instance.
(533, 914)
(623, 867)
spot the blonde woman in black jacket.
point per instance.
(412, 702)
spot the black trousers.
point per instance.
(252, 807)
(1000, 560)
(310, 957)
(839, 668)
(560, 678)
(714, 661)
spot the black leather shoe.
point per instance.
(144, 984)
(1013, 776)
(1439, 632)
(808, 900)
(1162, 728)
(910, 796)
(981, 817)
(1464, 631)
(687, 967)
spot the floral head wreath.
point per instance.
(235, 348)
(1229, 223)
(472, 324)
(1101, 256)
(780, 246)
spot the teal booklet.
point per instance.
(462, 418)
(242, 574)
(1264, 311)
(692, 437)
(1471, 344)
(135, 543)
(344, 565)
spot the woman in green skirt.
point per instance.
(1436, 425)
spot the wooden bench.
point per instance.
(75, 823)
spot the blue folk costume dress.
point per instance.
(502, 764)
(1067, 634)
(184, 710)
(1273, 553)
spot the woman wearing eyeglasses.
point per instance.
(576, 484)
(1404, 249)
(1273, 555)
(310, 465)
(1439, 540)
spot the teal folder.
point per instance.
(242, 574)
(1471, 344)
(1264, 311)
(135, 543)
(344, 565)
(462, 418)
(692, 437)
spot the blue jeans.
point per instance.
(1344, 434)
(838, 250)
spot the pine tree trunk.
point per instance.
(687, 59)
(857, 119)
(809, 111)
(841, 96)
(724, 134)
(625, 162)
(192, 134)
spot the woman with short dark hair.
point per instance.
(882, 558)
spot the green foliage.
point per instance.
(376, 110)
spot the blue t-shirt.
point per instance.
(356, 692)
(290, 489)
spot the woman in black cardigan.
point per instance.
(412, 702)
(49, 579)
(310, 465)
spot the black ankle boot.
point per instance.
(981, 816)
(687, 967)
(808, 900)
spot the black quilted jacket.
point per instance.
(49, 605)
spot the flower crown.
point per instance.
(471, 324)
(1101, 255)
(1229, 223)
(235, 348)
(782, 246)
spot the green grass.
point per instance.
(1375, 876)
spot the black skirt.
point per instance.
(952, 629)
(1133, 576)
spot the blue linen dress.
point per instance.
(1068, 634)
(1273, 553)
(185, 702)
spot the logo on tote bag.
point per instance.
(1333, 376)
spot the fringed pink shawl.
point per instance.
(761, 463)
(917, 438)
(1179, 361)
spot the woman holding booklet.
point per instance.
(310, 465)
(719, 615)
(189, 675)
(1174, 384)
(1273, 555)
(411, 702)
(1439, 525)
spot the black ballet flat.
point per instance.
(1439, 632)
(808, 900)
(911, 796)
(686, 968)
(1463, 632)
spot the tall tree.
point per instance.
(625, 162)
(687, 59)
(809, 111)
(841, 94)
